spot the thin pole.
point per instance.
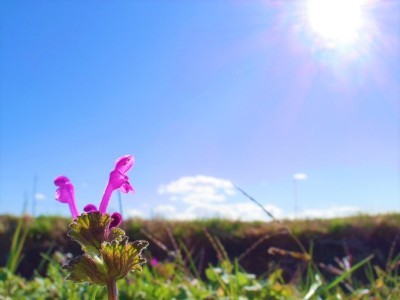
(296, 196)
(120, 204)
(34, 196)
(26, 201)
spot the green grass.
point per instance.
(183, 275)
(225, 281)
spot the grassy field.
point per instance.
(344, 258)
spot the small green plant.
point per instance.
(17, 244)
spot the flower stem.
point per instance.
(74, 210)
(112, 290)
(105, 199)
(72, 206)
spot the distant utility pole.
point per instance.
(26, 201)
(120, 204)
(296, 178)
(34, 196)
(296, 195)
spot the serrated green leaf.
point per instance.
(116, 260)
(92, 229)
(117, 234)
(85, 268)
(121, 258)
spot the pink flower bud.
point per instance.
(117, 220)
(90, 208)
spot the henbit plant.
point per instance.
(108, 254)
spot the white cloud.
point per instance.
(202, 197)
(164, 209)
(170, 212)
(300, 176)
(245, 211)
(198, 189)
(331, 212)
(135, 213)
(40, 196)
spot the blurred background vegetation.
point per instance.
(209, 251)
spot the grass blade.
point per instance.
(342, 277)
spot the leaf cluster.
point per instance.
(108, 254)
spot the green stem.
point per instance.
(112, 290)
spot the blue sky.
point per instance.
(233, 91)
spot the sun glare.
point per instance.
(336, 22)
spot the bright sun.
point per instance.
(337, 22)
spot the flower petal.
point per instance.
(65, 193)
(59, 197)
(61, 180)
(124, 163)
(117, 179)
(126, 188)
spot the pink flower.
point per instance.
(65, 194)
(154, 262)
(118, 180)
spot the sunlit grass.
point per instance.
(177, 275)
